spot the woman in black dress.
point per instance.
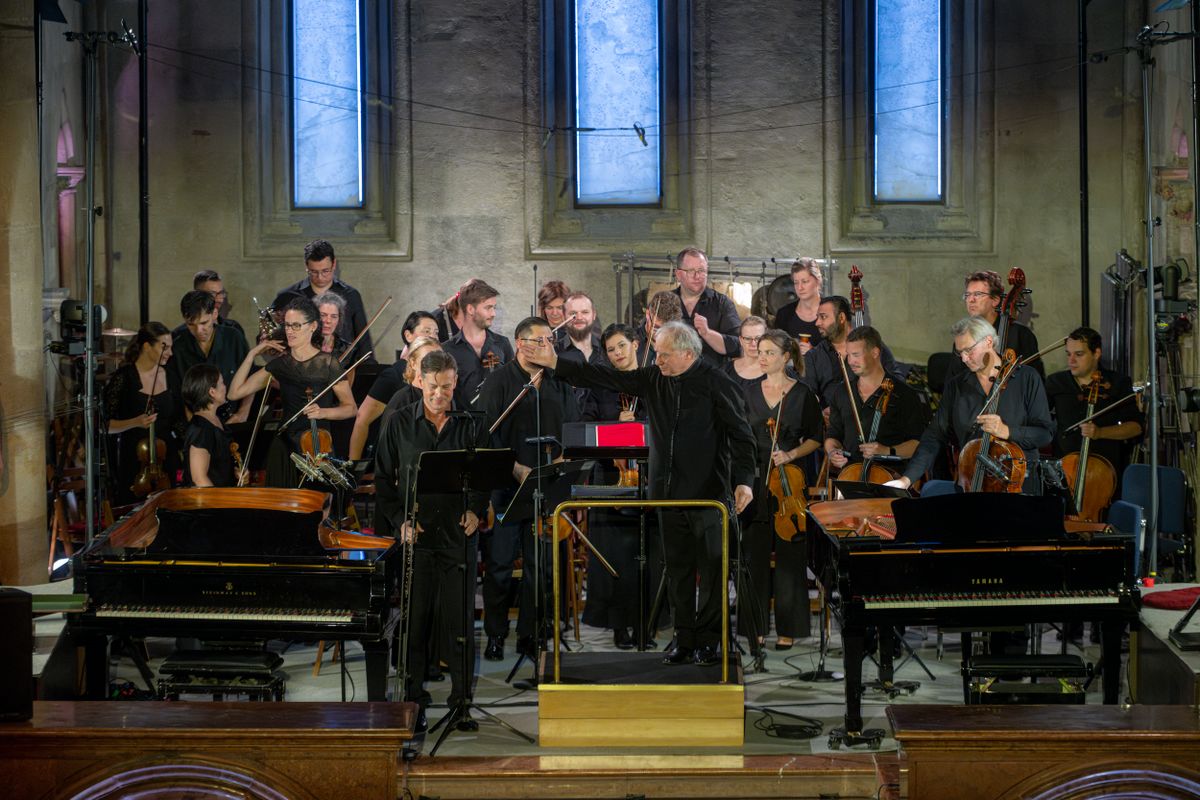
(800, 318)
(796, 417)
(299, 368)
(420, 325)
(745, 369)
(207, 459)
(136, 396)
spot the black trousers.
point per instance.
(437, 595)
(692, 549)
(502, 546)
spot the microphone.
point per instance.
(306, 469)
(541, 440)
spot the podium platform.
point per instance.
(634, 700)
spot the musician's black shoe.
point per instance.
(709, 654)
(422, 723)
(465, 722)
(495, 649)
(679, 655)
(622, 640)
(670, 648)
(525, 646)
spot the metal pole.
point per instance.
(143, 172)
(90, 48)
(1195, 173)
(1084, 257)
(1151, 333)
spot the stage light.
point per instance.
(1189, 399)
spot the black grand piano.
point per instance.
(236, 564)
(963, 561)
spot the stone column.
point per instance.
(22, 405)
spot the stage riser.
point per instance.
(641, 716)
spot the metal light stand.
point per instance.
(91, 41)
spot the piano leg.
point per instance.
(377, 657)
(95, 667)
(1110, 648)
(886, 662)
(853, 733)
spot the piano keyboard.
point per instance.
(990, 600)
(298, 615)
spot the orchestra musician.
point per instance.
(417, 323)
(476, 348)
(396, 380)
(207, 459)
(140, 393)
(1023, 415)
(443, 529)
(901, 425)
(821, 370)
(300, 366)
(613, 602)
(746, 369)
(200, 340)
(664, 307)
(331, 308)
(581, 342)
(449, 314)
(1113, 432)
(800, 318)
(208, 280)
(982, 294)
(710, 313)
(685, 395)
(552, 305)
(553, 403)
(786, 420)
(320, 266)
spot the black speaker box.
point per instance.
(16, 666)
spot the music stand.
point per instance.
(452, 472)
(554, 481)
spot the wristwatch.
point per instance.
(892, 450)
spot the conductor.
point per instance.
(700, 444)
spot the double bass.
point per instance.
(1092, 479)
(988, 464)
(858, 305)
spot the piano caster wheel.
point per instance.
(872, 737)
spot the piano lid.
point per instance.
(973, 517)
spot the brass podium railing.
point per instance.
(723, 587)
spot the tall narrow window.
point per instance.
(327, 111)
(618, 94)
(907, 99)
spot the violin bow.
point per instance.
(533, 379)
(1030, 359)
(262, 408)
(862, 438)
(649, 336)
(321, 393)
(363, 332)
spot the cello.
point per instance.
(866, 470)
(982, 462)
(1092, 479)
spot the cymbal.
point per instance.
(119, 332)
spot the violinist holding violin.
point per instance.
(302, 371)
(1111, 434)
(1022, 416)
(140, 400)
(785, 417)
(899, 426)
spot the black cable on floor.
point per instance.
(806, 728)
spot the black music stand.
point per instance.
(544, 487)
(465, 471)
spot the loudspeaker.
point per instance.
(16, 665)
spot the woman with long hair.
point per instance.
(303, 372)
(136, 396)
(786, 405)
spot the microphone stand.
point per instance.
(532, 681)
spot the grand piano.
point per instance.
(965, 561)
(236, 564)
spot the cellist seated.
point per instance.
(1003, 408)
(885, 409)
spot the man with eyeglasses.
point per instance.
(701, 448)
(208, 280)
(982, 294)
(711, 313)
(539, 413)
(1022, 416)
(320, 264)
(200, 340)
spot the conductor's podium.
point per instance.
(629, 699)
(632, 699)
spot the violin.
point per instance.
(317, 441)
(238, 465)
(988, 464)
(867, 471)
(785, 482)
(151, 451)
(627, 468)
(1092, 479)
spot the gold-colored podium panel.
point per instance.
(641, 715)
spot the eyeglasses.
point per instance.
(319, 273)
(295, 327)
(975, 295)
(750, 339)
(221, 293)
(969, 349)
(698, 271)
(539, 340)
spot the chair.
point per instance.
(936, 369)
(1130, 518)
(1174, 537)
